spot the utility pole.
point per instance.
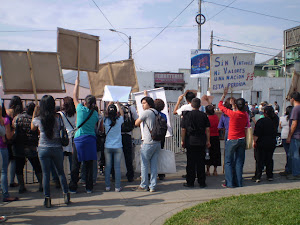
(199, 39)
(199, 25)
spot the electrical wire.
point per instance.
(109, 22)
(222, 9)
(164, 28)
(244, 50)
(249, 11)
(235, 42)
(112, 51)
(107, 29)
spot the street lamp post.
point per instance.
(129, 38)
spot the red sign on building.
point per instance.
(168, 78)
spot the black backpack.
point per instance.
(160, 127)
(128, 124)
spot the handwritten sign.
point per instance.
(235, 71)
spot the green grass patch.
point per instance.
(279, 207)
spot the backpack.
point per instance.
(128, 124)
(160, 127)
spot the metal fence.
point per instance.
(173, 143)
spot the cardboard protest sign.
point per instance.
(154, 93)
(78, 51)
(200, 63)
(116, 93)
(18, 78)
(120, 73)
(235, 71)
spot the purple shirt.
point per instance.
(224, 122)
(295, 115)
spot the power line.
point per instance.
(222, 9)
(262, 14)
(164, 28)
(112, 51)
(224, 40)
(109, 21)
(122, 28)
(244, 50)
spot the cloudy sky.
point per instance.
(32, 24)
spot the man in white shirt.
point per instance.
(189, 95)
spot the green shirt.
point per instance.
(89, 127)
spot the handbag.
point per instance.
(63, 134)
(249, 138)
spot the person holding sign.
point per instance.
(236, 144)
(85, 149)
(150, 147)
(113, 144)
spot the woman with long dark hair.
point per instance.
(264, 142)
(113, 144)
(284, 126)
(50, 148)
(15, 108)
(68, 114)
(85, 148)
(215, 149)
(27, 148)
(5, 121)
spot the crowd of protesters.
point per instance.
(35, 133)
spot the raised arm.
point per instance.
(120, 109)
(35, 114)
(75, 92)
(178, 103)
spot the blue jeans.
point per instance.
(149, 155)
(234, 158)
(115, 153)
(4, 181)
(288, 165)
(12, 171)
(55, 154)
(295, 157)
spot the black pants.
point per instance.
(195, 163)
(20, 163)
(264, 157)
(75, 172)
(127, 149)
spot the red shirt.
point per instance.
(214, 122)
(237, 123)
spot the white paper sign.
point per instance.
(235, 71)
(116, 93)
(154, 93)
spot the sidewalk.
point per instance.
(128, 207)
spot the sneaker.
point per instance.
(284, 173)
(118, 189)
(2, 219)
(291, 177)
(225, 186)
(107, 189)
(270, 179)
(253, 178)
(72, 192)
(202, 185)
(89, 191)
(139, 189)
(14, 185)
(188, 185)
(67, 198)
(10, 199)
(152, 190)
(257, 181)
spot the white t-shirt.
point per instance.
(186, 107)
(285, 127)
